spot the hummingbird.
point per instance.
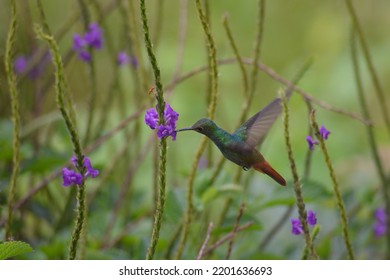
(240, 146)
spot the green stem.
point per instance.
(278, 225)
(15, 118)
(256, 52)
(92, 75)
(163, 142)
(43, 17)
(134, 37)
(235, 228)
(212, 52)
(249, 91)
(80, 219)
(247, 97)
(371, 68)
(371, 138)
(305, 252)
(60, 89)
(297, 185)
(188, 214)
(236, 54)
(336, 189)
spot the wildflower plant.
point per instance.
(311, 142)
(160, 199)
(170, 118)
(324, 134)
(70, 177)
(92, 39)
(296, 225)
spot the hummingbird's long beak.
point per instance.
(184, 129)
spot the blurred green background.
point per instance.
(294, 32)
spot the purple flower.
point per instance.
(170, 117)
(122, 58)
(22, 61)
(20, 64)
(78, 42)
(151, 118)
(311, 218)
(79, 46)
(94, 36)
(296, 227)
(380, 222)
(324, 132)
(70, 177)
(93, 173)
(165, 131)
(311, 142)
(87, 164)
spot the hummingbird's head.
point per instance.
(203, 126)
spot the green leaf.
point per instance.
(278, 202)
(209, 194)
(13, 248)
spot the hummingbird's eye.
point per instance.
(199, 129)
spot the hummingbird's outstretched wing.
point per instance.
(254, 130)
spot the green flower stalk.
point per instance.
(163, 142)
(371, 138)
(60, 89)
(336, 188)
(211, 114)
(374, 77)
(297, 184)
(15, 118)
(248, 89)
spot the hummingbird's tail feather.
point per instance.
(265, 167)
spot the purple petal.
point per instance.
(324, 132)
(311, 142)
(78, 42)
(70, 177)
(165, 131)
(379, 229)
(74, 161)
(380, 215)
(311, 218)
(94, 36)
(122, 58)
(296, 227)
(151, 118)
(90, 171)
(20, 64)
(170, 115)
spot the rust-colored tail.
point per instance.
(265, 167)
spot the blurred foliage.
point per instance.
(119, 227)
